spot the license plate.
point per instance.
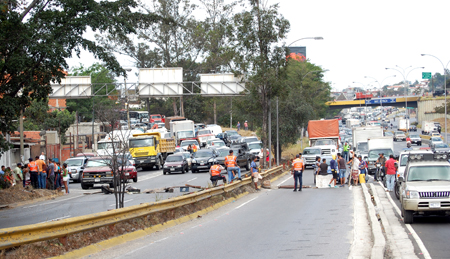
(172, 169)
(202, 163)
(97, 180)
(201, 166)
(435, 204)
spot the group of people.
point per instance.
(192, 148)
(238, 125)
(389, 167)
(39, 175)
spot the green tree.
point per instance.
(37, 40)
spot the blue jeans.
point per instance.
(42, 180)
(390, 181)
(342, 173)
(298, 177)
(230, 174)
(345, 155)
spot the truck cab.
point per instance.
(310, 154)
(149, 149)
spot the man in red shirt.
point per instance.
(390, 173)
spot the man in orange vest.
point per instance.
(214, 171)
(194, 148)
(297, 172)
(33, 173)
(231, 164)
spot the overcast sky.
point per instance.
(362, 38)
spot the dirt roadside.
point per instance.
(18, 196)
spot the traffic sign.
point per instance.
(426, 75)
(384, 100)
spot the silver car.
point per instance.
(75, 166)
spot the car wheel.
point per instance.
(194, 171)
(247, 166)
(397, 191)
(135, 179)
(80, 177)
(408, 217)
(182, 170)
(158, 164)
(84, 186)
(164, 172)
(111, 185)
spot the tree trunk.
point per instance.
(174, 101)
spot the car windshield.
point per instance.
(414, 136)
(108, 145)
(248, 140)
(429, 173)
(187, 155)
(441, 145)
(399, 133)
(204, 132)
(218, 143)
(322, 142)
(156, 117)
(373, 154)
(174, 159)
(255, 146)
(145, 142)
(436, 139)
(98, 162)
(203, 154)
(232, 133)
(188, 142)
(403, 159)
(313, 151)
(185, 134)
(74, 162)
(223, 152)
(363, 146)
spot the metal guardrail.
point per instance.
(16, 236)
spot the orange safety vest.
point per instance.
(215, 171)
(33, 166)
(230, 161)
(298, 164)
(194, 148)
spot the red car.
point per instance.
(98, 171)
(155, 118)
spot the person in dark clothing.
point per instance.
(323, 167)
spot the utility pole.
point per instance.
(270, 134)
(278, 141)
(215, 114)
(231, 113)
(22, 150)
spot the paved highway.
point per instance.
(82, 202)
(276, 223)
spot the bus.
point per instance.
(139, 115)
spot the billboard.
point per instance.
(298, 50)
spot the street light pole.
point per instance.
(127, 100)
(405, 82)
(445, 91)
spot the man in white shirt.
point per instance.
(42, 156)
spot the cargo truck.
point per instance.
(403, 125)
(376, 146)
(182, 130)
(350, 123)
(150, 149)
(428, 126)
(360, 137)
(324, 134)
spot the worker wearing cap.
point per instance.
(231, 164)
(33, 173)
(297, 172)
(214, 171)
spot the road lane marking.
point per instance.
(68, 216)
(123, 202)
(245, 203)
(52, 202)
(142, 247)
(283, 181)
(192, 179)
(149, 177)
(416, 237)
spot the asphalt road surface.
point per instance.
(82, 202)
(275, 223)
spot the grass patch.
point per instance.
(290, 151)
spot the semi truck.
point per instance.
(360, 137)
(150, 149)
(403, 125)
(324, 134)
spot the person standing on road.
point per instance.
(214, 172)
(333, 166)
(355, 170)
(255, 173)
(342, 169)
(194, 148)
(42, 175)
(34, 175)
(246, 125)
(51, 174)
(189, 149)
(382, 161)
(17, 174)
(66, 177)
(390, 173)
(238, 126)
(297, 172)
(42, 156)
(317, 166)
(346, 148)
(58, 178)
(231, 163)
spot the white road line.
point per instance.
(123, 202)
(284, 181)
(192, 179)
(416, 237)
(148, 178)
(245, 203)
(52, 202)
(68, 216)
(142, 247)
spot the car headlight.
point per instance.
(194, 161)
(166, 166)
(211, 160)
(127, 174)
(74, 170)
(412, 195)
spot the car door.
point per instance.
(241, 158)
